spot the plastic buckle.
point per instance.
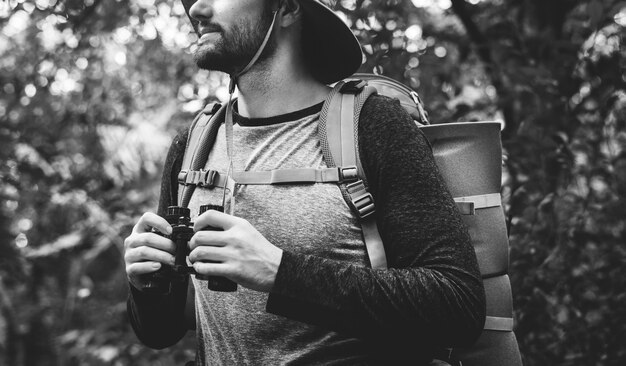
(355, 187)
(182, 177)
(361, 199)
(348, 174)
(353, 86)
(416, 98)
(419, 105)
(192, 177)
(211, 108)
(364, 205)
(207, 178)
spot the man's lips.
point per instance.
(207, 37)
(209, 28)
(208, 33)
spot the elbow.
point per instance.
(155, 333)
(468, 332)
(469, 322)
(158, 338)
(159, 344)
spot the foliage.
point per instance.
(92, 91)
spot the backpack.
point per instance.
(468, 156)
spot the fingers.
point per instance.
(212, 269)
(147, 254)
(208, 237)
(141, 268)
(215, 219)
(145, 251)
(150, 220)
(210, 254)
(150, 240)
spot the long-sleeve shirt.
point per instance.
(430, 297)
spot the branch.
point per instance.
(483, 50)
(65, 242)
(475, 34)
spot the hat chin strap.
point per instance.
(235, 77)
(229, 107)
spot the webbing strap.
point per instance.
(498, 323)
(326, 175)
(200, 140)
(373, 243)
(211, 178)
(339, 128)
(348, 147)
(193, 142)
(469, 204)
(330, 133)
(360, 197)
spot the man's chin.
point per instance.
(202, 64)
(212, 63)
(205, 61)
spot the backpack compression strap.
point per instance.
(338, 135)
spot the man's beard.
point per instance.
(236, 46)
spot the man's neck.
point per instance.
(267, 91)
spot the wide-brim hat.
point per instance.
(334, 52)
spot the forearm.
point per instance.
(422, 304)
(158, 320)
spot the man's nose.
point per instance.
(201, 10)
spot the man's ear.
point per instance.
(291, 12)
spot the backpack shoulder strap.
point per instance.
(201, 138)
(338, 135)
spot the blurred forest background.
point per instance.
(92, 91)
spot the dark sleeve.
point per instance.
(432, 293)
(158, 320)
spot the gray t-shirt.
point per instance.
(234, 328)
(431, 296)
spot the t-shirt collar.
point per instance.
(291, 116)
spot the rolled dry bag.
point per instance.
(469, 157)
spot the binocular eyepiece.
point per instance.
(160, 281)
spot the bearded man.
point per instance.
(307, 293)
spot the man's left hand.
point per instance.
(238, 252)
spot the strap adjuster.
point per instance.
(211, 108)
(207, 178)
(182, 177)
(364, 205)
(200, 178)
(348, 174)
(361, 199)
(353, 87)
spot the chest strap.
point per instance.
(212, 178)
(361, 200)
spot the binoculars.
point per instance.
(160, 281)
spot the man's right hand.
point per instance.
(145, 251)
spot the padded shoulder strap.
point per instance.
(338, 135)
(201, 138)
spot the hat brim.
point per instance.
(332, 48)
